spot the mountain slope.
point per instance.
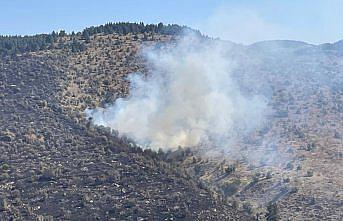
(55, 163)
(56, 166)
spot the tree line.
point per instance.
(10, 45)
(135, 28)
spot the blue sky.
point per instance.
(243, 21)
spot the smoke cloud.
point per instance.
(242, 25)
(189, 98)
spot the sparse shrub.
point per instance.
(337, 135)
(48, 173)
(197, 170)
(309, 173)
(255, 178)
(5, 166)
(3, 204)
(194, 160)
(312, 201)
(230, 189)
(230, 169)
(293, 190)
(286, 180)
(310, 147)
(234, 204)
(272, 212)
(247, 207)
(289, 166)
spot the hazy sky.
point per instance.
(243, 21)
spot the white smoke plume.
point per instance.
(188, 98)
